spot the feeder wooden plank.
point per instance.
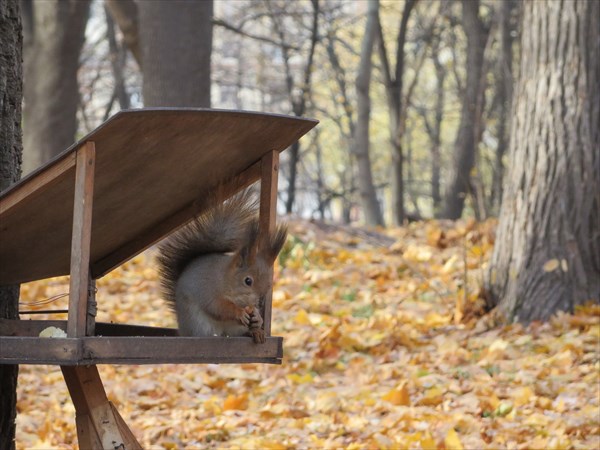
(152, 167)
(156, 350)
(139, 350)
(34, 350)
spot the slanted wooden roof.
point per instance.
(151, 166)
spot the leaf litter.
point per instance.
(386, 346)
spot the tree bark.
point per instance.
(11, 94)
(125, 14)
(504, 92)
(54, 33)
(547, 253)
(176, 44)
(118, 57)
(368, 196)
(466, 139)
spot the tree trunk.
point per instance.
(504, 92)
(368, 196)
(298, 101)
(547, 254)
(466, 140)
(11, 77)
(348, 134)
(176, 43)
(54, 32)
(125, 14)
(118, 58)
(393, 84)
(436, 129)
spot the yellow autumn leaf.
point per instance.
(272, 445)
(398, 396)
(452, 441)
(522, 395)
(551, 265)
(427, 442)
(302, 317)
(239, 402)
(300, 379)
(477, 251)
(433, 397)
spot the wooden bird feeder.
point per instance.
(122, 188)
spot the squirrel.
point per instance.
(216, 271)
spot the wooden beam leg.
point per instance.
(80, 241)
(99, 424)
(268, 215)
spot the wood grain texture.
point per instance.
(551, 202)
(80, 241)
(138, 350)
(154, 234)
(99, 425)
(268, 217)
(151, 167)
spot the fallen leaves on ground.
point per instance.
(385, 347)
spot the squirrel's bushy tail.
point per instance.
(222, 228)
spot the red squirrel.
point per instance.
(216, 271)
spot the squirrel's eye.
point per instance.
(248, 281)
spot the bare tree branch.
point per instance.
(241, 32)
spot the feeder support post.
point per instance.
(268, 215)
(81, 240)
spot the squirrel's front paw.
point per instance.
(256, 320)
(258, 335)
(244, 317)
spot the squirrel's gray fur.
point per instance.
(205, 268)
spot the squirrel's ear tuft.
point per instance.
(276, 241)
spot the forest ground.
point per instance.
(386, 346)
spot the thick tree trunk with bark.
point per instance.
(54, 32)
(368, 196)
(176, 43)
(10, 171)
(547, 253)
(466, 139)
